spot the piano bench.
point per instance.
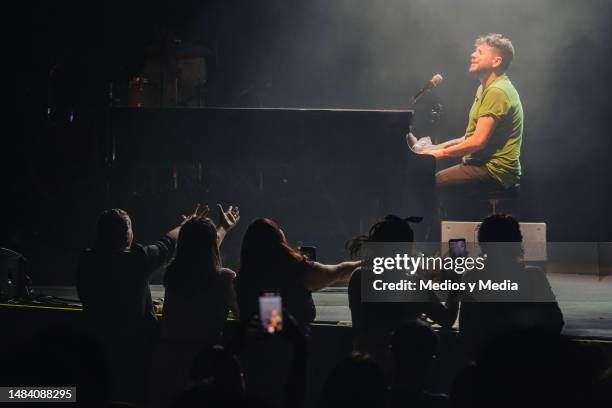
(494, 197)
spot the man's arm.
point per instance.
(448, 143)
(160, 252)
(452, 142)
(484, 128)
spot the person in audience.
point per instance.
(374, 322)
(357, 381)
(485, 314)
(112, 283)
(280, 358)
(269, 264)
(199, 294)
(413, 349)
(199, 291)
(112, 277)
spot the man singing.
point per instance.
(491, 146)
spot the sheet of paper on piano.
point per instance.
(419, 146)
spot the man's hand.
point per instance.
(439, 147)
(436, 147)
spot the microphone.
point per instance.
(434, 81)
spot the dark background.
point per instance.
(316, 54)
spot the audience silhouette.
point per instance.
(486, 315)
(374, 322)
(124, 324)
(516, 355)
(269, 264)
(199, 293)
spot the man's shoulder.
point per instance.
(498, 91)
(503, 88)
(91, 258)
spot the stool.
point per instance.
(494, 197)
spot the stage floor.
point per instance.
(586, 302)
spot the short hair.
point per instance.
(500, 228)
(113, 230)
(503, 44)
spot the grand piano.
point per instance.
(325, 175)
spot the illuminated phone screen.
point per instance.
(271, 313)
(456, 248)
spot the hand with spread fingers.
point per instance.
(200, 211)
(227, 220)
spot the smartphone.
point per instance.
(271, 312)
(456, 248)
(309, 252)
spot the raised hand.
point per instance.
(200, 211)
(228, 219)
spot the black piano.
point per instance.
(325, 175)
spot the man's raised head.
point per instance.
(493, 51)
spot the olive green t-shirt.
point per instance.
(502, 152)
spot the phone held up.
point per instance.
(457, 248)
(309, 252)
(271, 312)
